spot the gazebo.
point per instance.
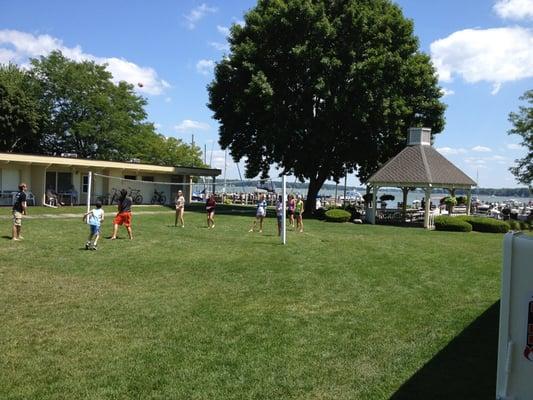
(419, 165)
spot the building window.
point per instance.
(85, 183)
(60, 182)
(131, 177)
(148, 178)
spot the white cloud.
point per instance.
(514, 9)
(224, 30)
(445, 151)
(196, 14)
(481, 149)
(168, 99)
(189, 125)
(447, 92)
(495, 55)
(219, 46)
(25, 45)
(514, 146)
(205, 67)
(157, 126)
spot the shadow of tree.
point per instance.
(464, 369)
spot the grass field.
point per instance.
(342, 312)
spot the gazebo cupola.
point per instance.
(418, 165)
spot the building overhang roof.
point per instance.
(31, 159)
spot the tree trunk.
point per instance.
(315, 184)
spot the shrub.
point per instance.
(484, 224)
(444, 223)
(524, 226)
(513, 225)
(320, 213)
(228, 201)
(461, 200)
(354, 210)
(449, 201)
(337, 215)
(386, 197)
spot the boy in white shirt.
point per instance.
(94, 218)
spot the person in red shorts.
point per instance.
(123, 216)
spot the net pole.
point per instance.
(89, 187)
(284, 218)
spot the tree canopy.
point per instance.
(523, 126)
(20, 118)
(64, 106)
(322, 88)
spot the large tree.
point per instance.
(19, 111)
(65, 106)
(322, 88)
(523, 126)
(87, 113)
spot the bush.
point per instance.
(461, 200)
(484, 224)
(513, 225)
(354, 210)
(524, 226)
(320, 213)
(386, 197)
(444, 223)
(337, 215)
(449, 201)
(228, 201)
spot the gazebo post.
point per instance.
(468, 200)
(374, 205)
(427, 207)
(405, 191)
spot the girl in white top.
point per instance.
(180, 208)
(260, 213)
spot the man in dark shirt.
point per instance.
(19, 209)
(123, 216)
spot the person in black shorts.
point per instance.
(19, 209)
(210, 209)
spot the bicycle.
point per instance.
(159, 197)
(136, 195)
(114, 196)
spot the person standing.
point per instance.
(292, 206)
(299, 210)
(94, 218)
(180, 208)
(19, 209)
(210, 206)
(280, 213)
(123, 216)
(260, 213)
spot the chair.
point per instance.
(30, 197)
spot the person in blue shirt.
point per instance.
(260, 213)
(94, 218)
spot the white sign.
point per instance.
(515, 345)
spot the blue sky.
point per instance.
(483, 50)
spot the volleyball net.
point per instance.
(108, 190)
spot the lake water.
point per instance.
(412, 196)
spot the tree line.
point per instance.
(58, 105)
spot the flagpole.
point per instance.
(284, 217)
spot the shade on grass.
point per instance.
(342, 312)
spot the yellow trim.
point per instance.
(79, 162)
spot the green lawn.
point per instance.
(342, 312)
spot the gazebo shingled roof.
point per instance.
(420, 165)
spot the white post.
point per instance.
(284, 219)
(427, 207)
(89, 186)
